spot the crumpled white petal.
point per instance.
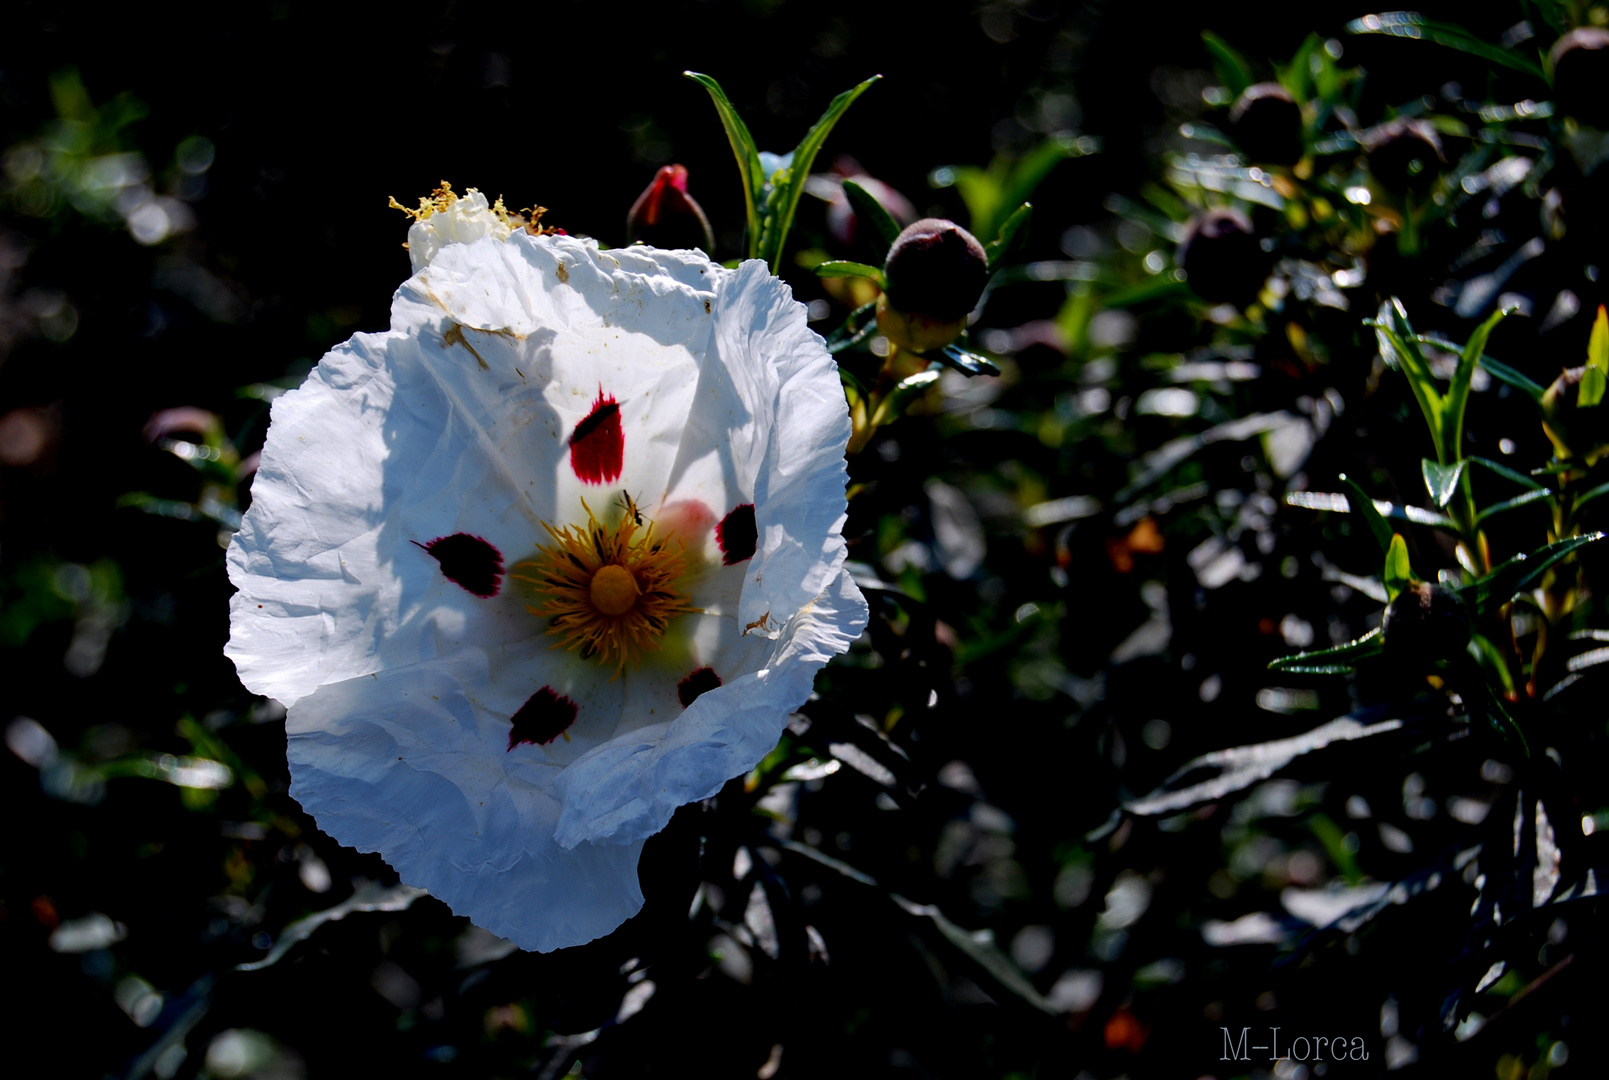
(462, 220)
(403, 680)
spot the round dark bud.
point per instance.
(665, 215)
(1405, 155)
(936, 269)
(1223, 258)
(1581, 75)
(1425, 623)
(1266, 123)
(1572, 429)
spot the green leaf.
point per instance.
(1411, 24)
(1231, 68)
(1334, 660)
(1362, 505)
(1441, 480)
(839, 268)
(855, 329)
(1593, 380)
(967, 363)
(1592, 388)
(905, 391)
(1452, 409)
(1398, 572)
(743, 148)
(1507, 473)
(1011, 234)
(1509, 580)
(1517, 501)
(1400, 349)
(777, 216)
(874, 213)
(992, 195)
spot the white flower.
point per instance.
(448, 218)
(496, 677)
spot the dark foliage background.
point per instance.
(946, 886)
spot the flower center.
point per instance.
(606, 591)
(614, 590)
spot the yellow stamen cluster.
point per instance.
(441, 200)
(607, 592)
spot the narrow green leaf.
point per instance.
(839, 268)
(1010, 232)
(1510, 504)
(1399, 348)
(967, 363)
(1230, 67)
(906, 391)
(855, 329)
(1411, 24)
(1508, 580)
(1587, 496)
(1452, 409)
(871, 211)
(1506, 472)
(1336, 656)
(1593, 385)
(1363, 506)
(1441, 480)
(743, 148)
(1398, 572)
(784, 201)
(1593, 380)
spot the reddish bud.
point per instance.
(1266, 123)
(1404, 155)
(666, 216)
(1223, 258)
(1580, 71)
(937, 269)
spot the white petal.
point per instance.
(399, 764)
(628, 788)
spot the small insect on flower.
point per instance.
(500, 674)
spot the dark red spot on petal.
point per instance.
(699, 682)
(737, 535)
(542, 718)
(467, 560)
(597, 446)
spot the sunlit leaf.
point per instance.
(1520, 573)
(1230, 67)
(1332, 661)
(1398, 572)
(779, 209)
(869, 210)
(1441, 480)
(836, 268)
(1452, 418)
(744, 149)
(371, 897)
(1240, 767)
(1513, 504)
(1411, 24)
(1012, 233)
(967, 363)
(1364, 507)
(904, 393)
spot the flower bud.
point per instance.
(1404, 155)
(936, 271)
(1266, 123)
(1580, 71)
(1223, 258)
(666, 216)
(1425, 623)
(1571, 429)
